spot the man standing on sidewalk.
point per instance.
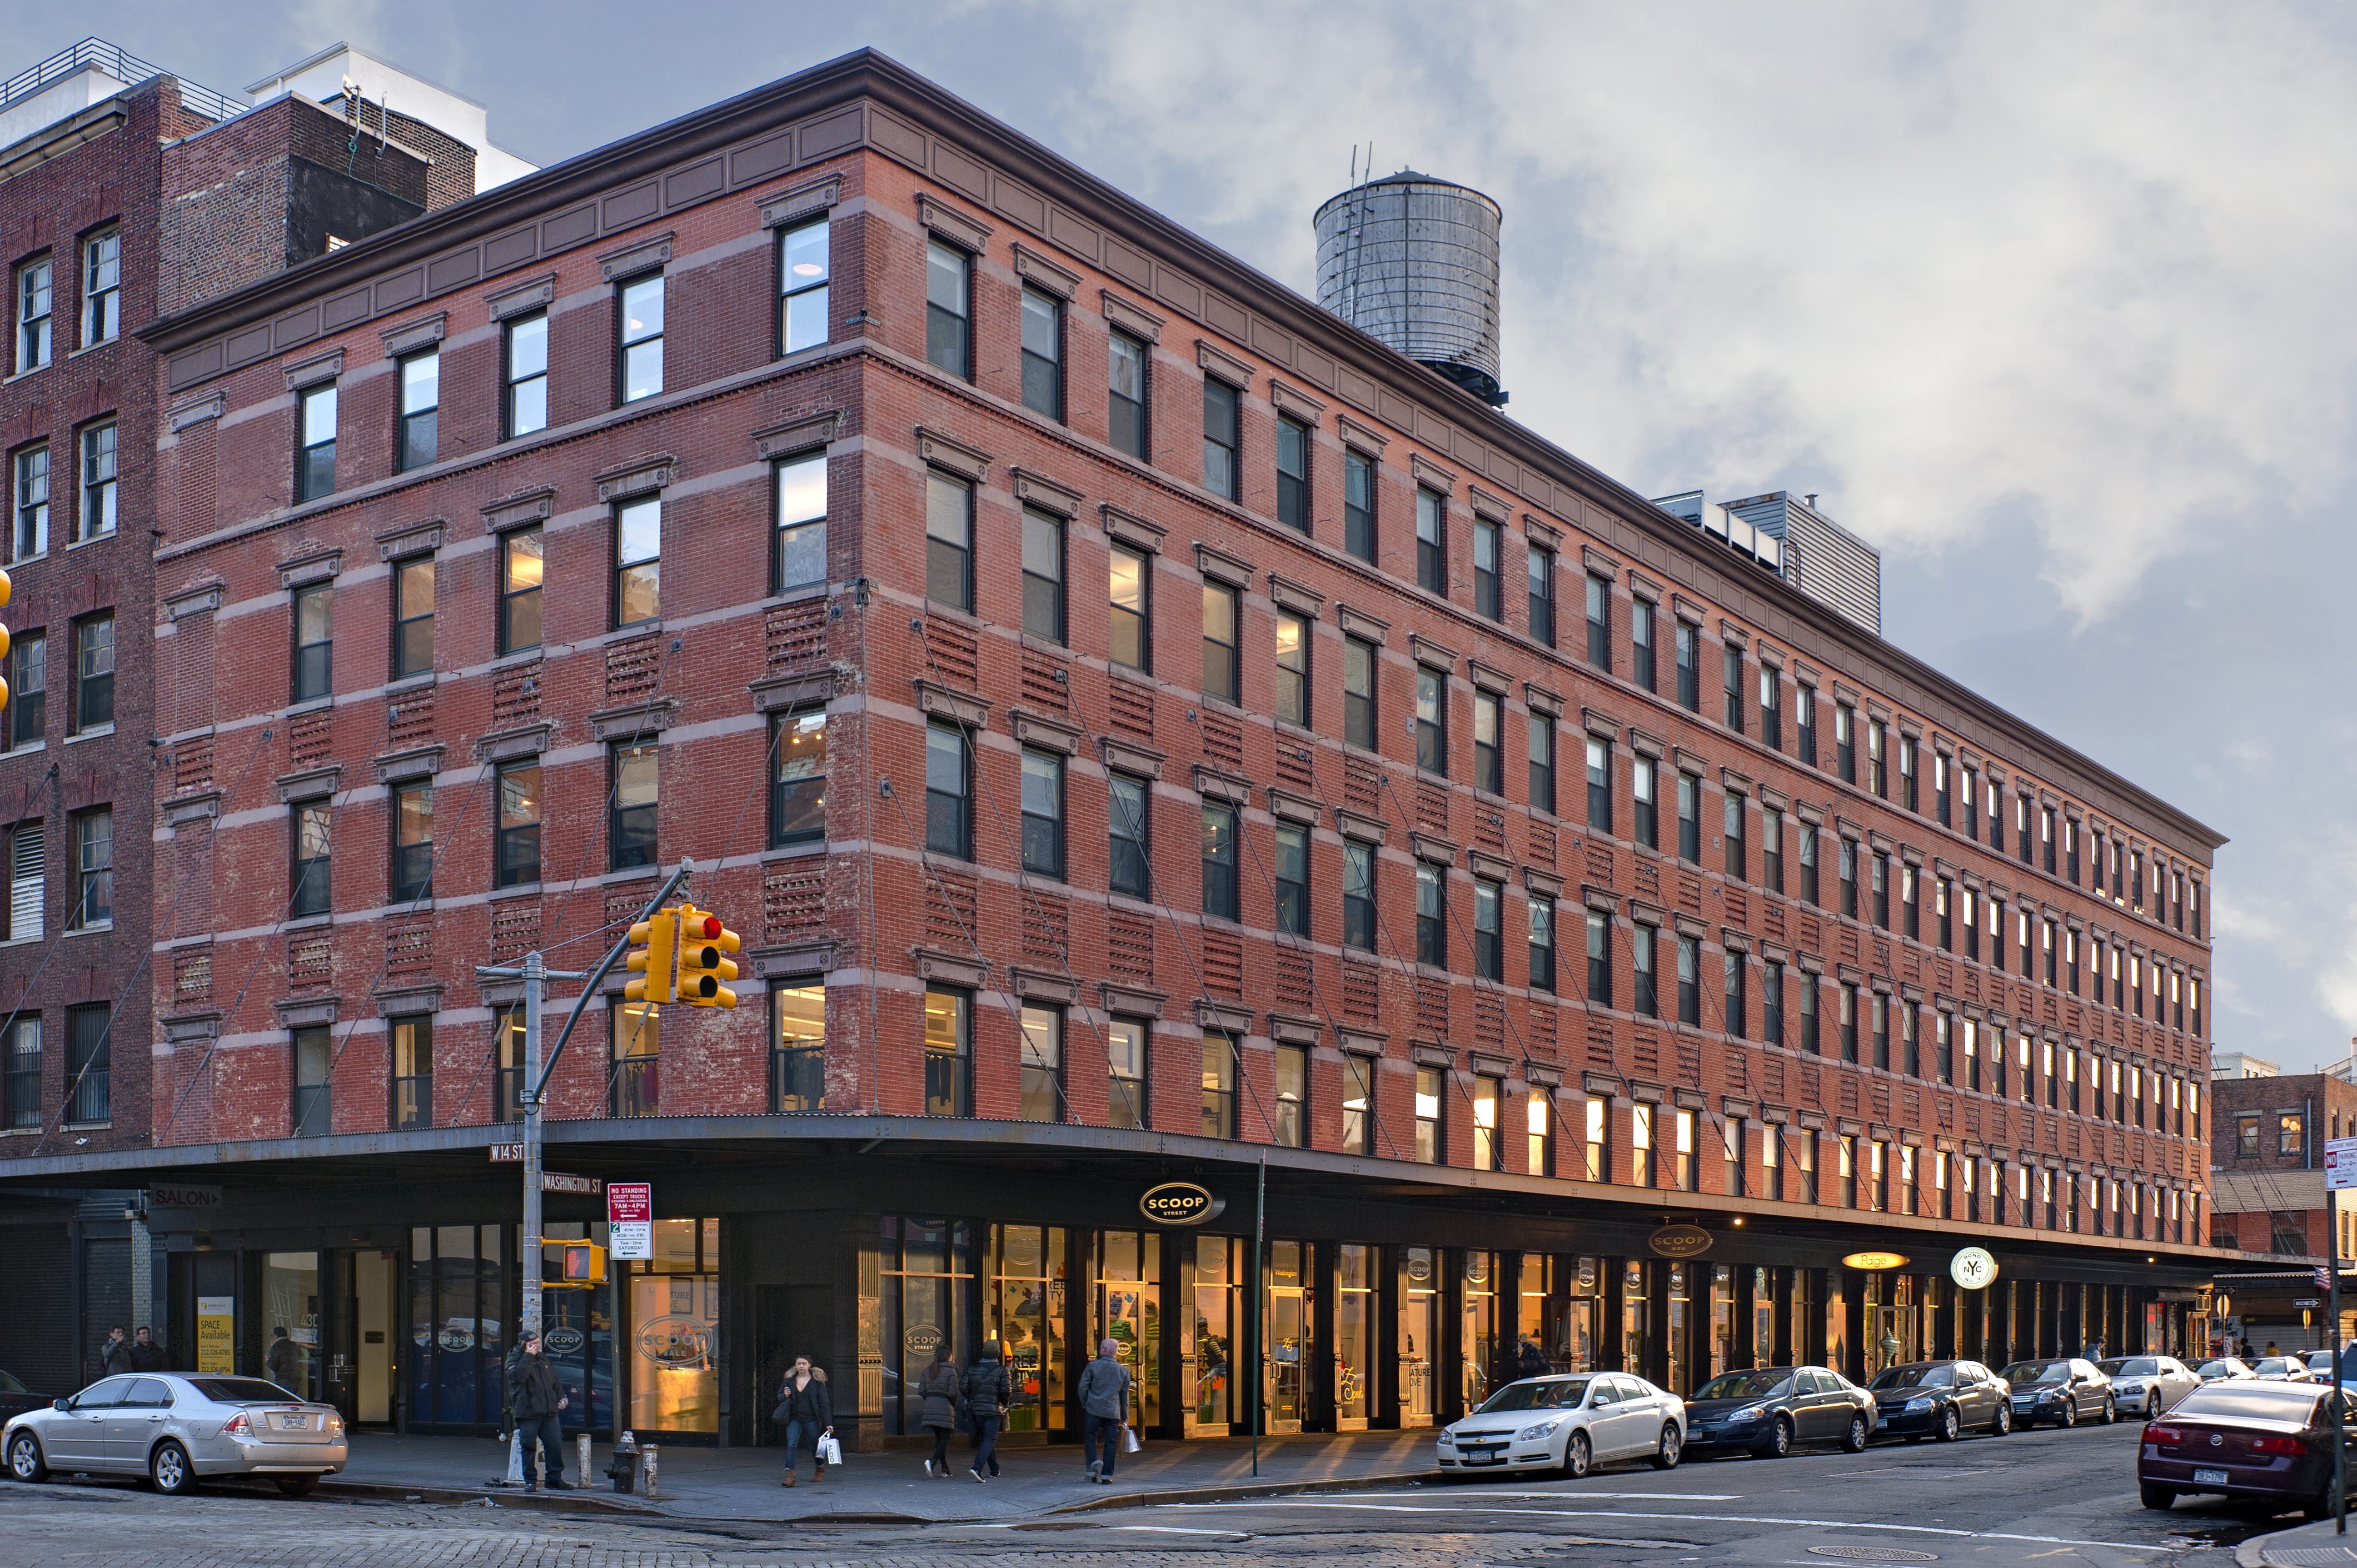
(1104, 1409)
(538, 1395)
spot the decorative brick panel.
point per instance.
(310, 960)
(796, 634)
(408, 946)
(1599, 1043)
(515, 697)
(630, 670)
(1131, 709)
(949, 909)
(1294, 986)
(1432, 1005)
(192, 977)
(515, 929)
(1363, 790)
(1294, 769)
(1543, 844)
(192, 765)
(794, 901)
(308, 736)
(409, 722)
(1047, 927)
(1129, 947)
(1361, 993)
(1223, 740)
(1223, 963)
(1045, 681)
(1647, 1054)
(1432, 808)
(949, 652)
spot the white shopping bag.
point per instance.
(830, 1452)
(1130, 1444)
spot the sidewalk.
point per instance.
(741, 1484)
(2304, 1546)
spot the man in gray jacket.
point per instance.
(1104, 1409)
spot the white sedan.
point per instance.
(2147, 1385)
(175, 1428)
(1568, 1425)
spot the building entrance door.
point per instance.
(362, 1340)
(1419, 1333)
(1287, 1331)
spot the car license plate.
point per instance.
(2210, 1478)
(294, 1423)
(1480, 1458)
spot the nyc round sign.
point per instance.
(1679, 1242)
(1972, 1269)
(1180, 1203)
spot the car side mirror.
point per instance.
(62, 1404)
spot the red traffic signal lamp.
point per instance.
(576, 1264)
(654, 941)
(6, 588)
(704, 946)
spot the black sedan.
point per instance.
(1771, 1411)
(1941, 1398)
(15, 1399)
(2065, 1392)
(2264, 1442)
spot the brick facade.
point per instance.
(2266, 1140)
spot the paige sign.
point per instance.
(1180, 1203)
(630, 1219)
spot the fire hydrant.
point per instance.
(622, 1469)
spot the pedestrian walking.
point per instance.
(114, 1355)
(988, 1392)
(285, 1361)
(939, 1386)
(1530, 1361)
(537, 1394)
(146, 1356)
(1104, 1410)
(805, 1410)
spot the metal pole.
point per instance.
(528, 1257)
(1259, 1310)
(2332, 1338)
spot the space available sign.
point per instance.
(630, 1219)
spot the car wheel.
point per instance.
(1578, 1457)
(2155, 1497)
(2071, 1412)
(1854, 1440)
(1671, 1446)
(25, 1462)
(1779, 1444)
(170, 1470)
(1949, 1425)
(2111, 1410)
(2152, 1405)
(296, 1485)
(2002, 1422)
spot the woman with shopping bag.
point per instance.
(940, 1386)
(805, 1409)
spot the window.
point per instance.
(1540, 731)
(949, 1053)
(798, 777)
(101, 286)
(28, 882)
(1358, 1105)
(1689, 647)
(1942, 908)
(412, 616)
(1293, 879)
(637, 562)
(1690, 819)
(1995, 819)
(1489, 918)
(1599, 623)
(802, 522)
(1738, 863)
(20, 1072)
(630, 839)
(1690, 981)
(1129, 796)
(96, 519)
(1223, 674)
(1542, 941)
(2021, 845)
(1644, 790)
(1881, 890)
(1846, 741)
(412, 841)
(1359, 504)
(1738, 1014)
(797, 1048)
(314, 1060)
(1599, 785)
(1489, 751)
(1221, 439)
(519, 823)
(1599, 1164)
(1125, 395)
(636, 1075)
(1489, 598)
(1359, 692)
(1645, 999)
(1910, 901)
(1643, 1171)
(1600, 958)
(1293, 473)
(1811, 1041)
(1804, 722)
(1878, 775)
(1218, 1102)
(1041, 1090)
(94, 672)
(1293, 668)
(1731, 684)
(413, 1072)
(1682, 1172)
(641, 355)
(1772, 1005)
(1043, 575)
(1126, 1073)
(1043, 353)
(2290, 1130)
(1431, 917)
(33, 290)
(1292, 1073)
(1358, 895)
(1878, 1007)
(525, 372)
(949, 535)
(1539, 569)
(522, 567)
(1538, 1128)
(1220, 861)
(1941, 788)
(1431, 542)
(315, 442)
(1487, 1153)
(1130, 574)
(94, 869)
(1432, 721)
(32, 533)
(415, 441)
(1641, 643)
(315, 644)
(1848, 866)
(1043, 812)
(1809, 885)
(949, 807)
(1429, 1146)
(1772, 849)
(948, 295)
(2246, 1137)
(1907, 779)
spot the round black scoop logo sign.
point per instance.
(1180, 1203)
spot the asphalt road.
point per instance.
(2044, 1498)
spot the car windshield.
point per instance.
(1914, 1377)
(2128, 1367)
(243, 1391)
(1764, 1385)
(2238, 1403)
(1554, 1394)
(2037, 1372)
(2277, 1364)
(2215, 1370)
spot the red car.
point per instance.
(2265, 1442)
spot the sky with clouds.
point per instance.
(2052, 303)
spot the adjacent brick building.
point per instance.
(1145, 730)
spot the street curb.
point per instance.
(509, 1498)
(1255, 1489)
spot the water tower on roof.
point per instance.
(1413, 260)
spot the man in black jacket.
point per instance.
(988, 1392)
(537, 1394)
(146, 1356)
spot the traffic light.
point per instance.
(652, 960)
(576, 1264)
(6, 589)
(704, 946)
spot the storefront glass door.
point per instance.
(1679, 1372)
(1636, 1317)
(290, 1319)
(1573, 1350)
(1286, 1325)
(1217, 1316)
(1127, 1268)
(1022, 1309)
(577, 1337)
(927, 1273)
(674, 1378)
(1354, 1335)
(1419, 1333)
(1721, 1349)
(1479, 1333)
(457, 1348)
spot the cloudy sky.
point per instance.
(2051, 303)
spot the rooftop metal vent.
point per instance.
(1413, 260)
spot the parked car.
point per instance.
(2064, 1391)
(177, 1429)
(2239, 1437)
(1569, 1425)
(1939, 1398)
(2219, 1367)
(2283, 1370)
(2149, 1384)
(1771, 1411)
(15, 1399)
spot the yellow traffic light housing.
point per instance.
(6, 588)
(654, 942)
(704, 946)
(581, 1263)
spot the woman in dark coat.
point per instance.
(939, 1386)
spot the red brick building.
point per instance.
(1145, 730)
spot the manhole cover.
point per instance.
(1873, 1554)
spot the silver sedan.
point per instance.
(175, 1428)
